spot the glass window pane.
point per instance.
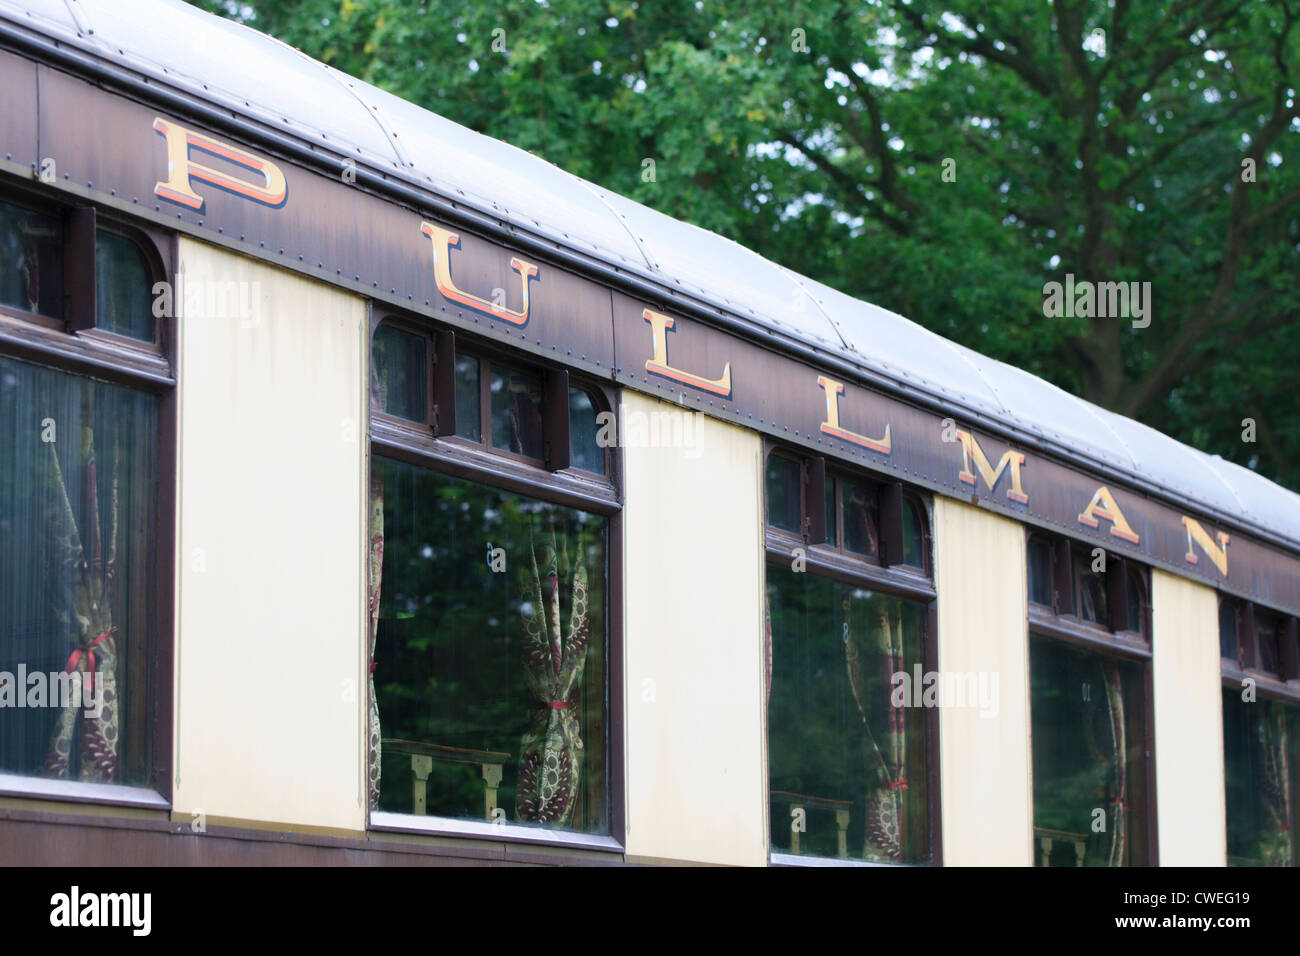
(1088, 751)
(861, 517)
(398, 370)
(1092, 590)
(77, 484)
(1136, 619)
(585, 451)
(832, 534)
(31, 261)
(468, 420)
(517, 411)
(1227, 630)
(784, 493)
(847, 767)
(1040, 570)
(1266, 634)
(476, 583)
(913, 542)
(124, 289)
(1261, 746)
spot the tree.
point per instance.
(942, 161)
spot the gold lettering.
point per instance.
(444, 240)
(831, 426)
(182, 171)
(1103, 505)
(1012, 460)
(660, 326)
(1198, 535)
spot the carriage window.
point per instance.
(1040, 570)
(848, 759)
(31, 261)
(1091, 597)
(490, 649)
(585, 451)
(847, 751)
(1089, 772)
(516, 410)
(913, 536)
(1228, 630)
(468, 422)
(79, 479)
(1266, 637)
(123, 288)
(1261, 748)
(784, 501)
(399, 372)
(861, 517)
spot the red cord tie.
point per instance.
(373, 665)
(559, 705)
(89, 650)
(900, 784)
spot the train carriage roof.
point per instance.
(269, 82)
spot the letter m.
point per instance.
(971, 452)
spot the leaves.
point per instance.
(1117, 160)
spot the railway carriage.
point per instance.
(372, 490)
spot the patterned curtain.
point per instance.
(376, 574)
(1108, 744)
(886, 760)
(1274, 764)
(84, 589)
(550, 761)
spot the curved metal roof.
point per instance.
(265, 80)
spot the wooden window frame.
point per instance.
(852, 568)
(1062, 622)
(434, 445)
(75, 346)
(1284, 685)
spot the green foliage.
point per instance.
(1114, 163)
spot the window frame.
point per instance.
(1283, 685)
(1062, 622)
(71, 346)
(855, 569)
(434, 445)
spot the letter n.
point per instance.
(1198, 535)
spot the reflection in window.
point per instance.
(1088, 757)
(584, 450)
(784, 500)
(846, 766)
(398, 373)
(77, 482)
(1266, 636)
(468, 423)
(1227, 630)
(1040, 570)
(913, 546)
(490, 654)
(1261, 750)
(123, 289)
(861, 518)
(1135, 616)
(517, 411)
(31, 261)
(1092, 591)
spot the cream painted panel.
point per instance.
(270, 572)
(696, 775)
(984, 768)
(1190, 809)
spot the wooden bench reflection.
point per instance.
(803, 801)
(1046, 839)
(422, 757)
